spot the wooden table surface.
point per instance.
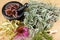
(56, 26)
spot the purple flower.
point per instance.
(21, 33)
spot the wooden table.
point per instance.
(56, 26)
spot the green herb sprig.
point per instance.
(41, 15)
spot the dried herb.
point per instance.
(10, 9)
(42, 36)
(41, 15)
(7, 28)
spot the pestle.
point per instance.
(23, 7)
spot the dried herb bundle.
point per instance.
(7, 28)
(41, 15)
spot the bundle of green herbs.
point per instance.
(41, 17)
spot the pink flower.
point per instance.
(21, 33)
